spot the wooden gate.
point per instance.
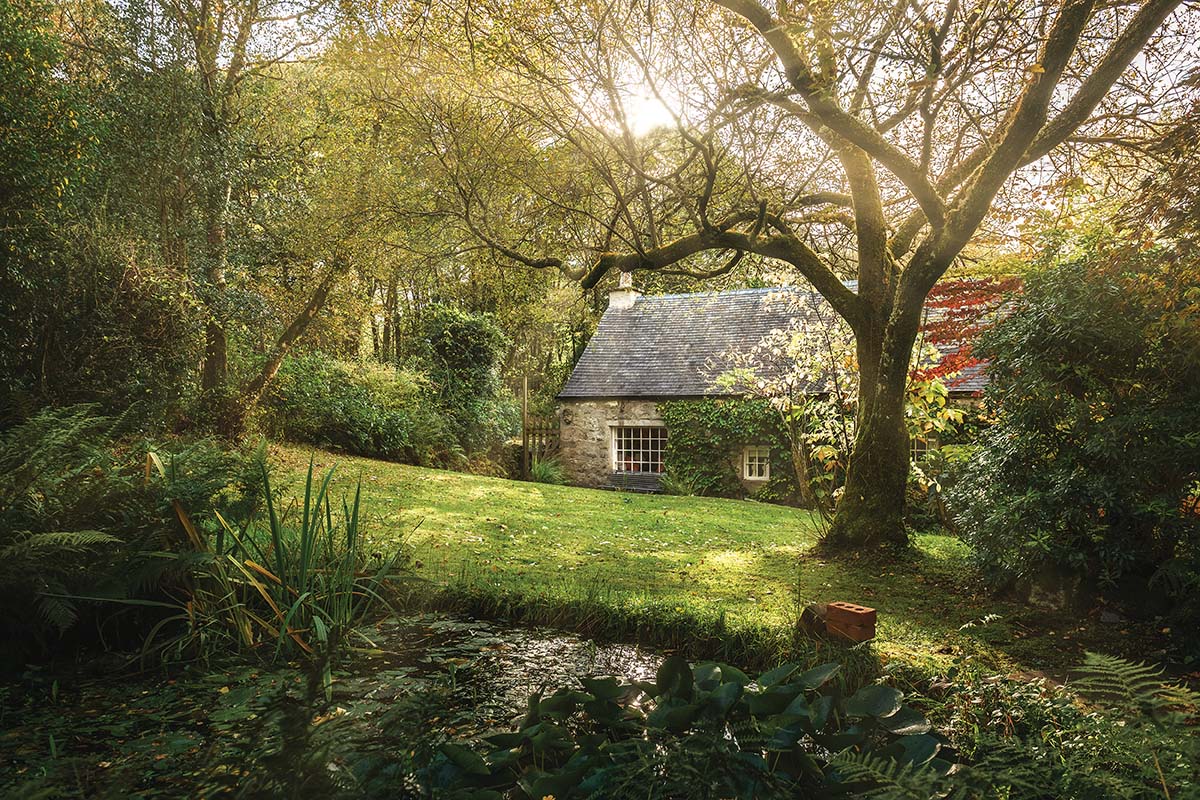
(539, 435)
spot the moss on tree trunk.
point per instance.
(871, 510)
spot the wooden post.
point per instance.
(525, 427)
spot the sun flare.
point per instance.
(645, 113)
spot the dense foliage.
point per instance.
(445, 407)
(292, 583)
(178, 548)
(364, 409)
(1119, 729)
(711, 732)
(704, 450)
(79, 511)
(463, 353)
(171, 239)
(1091, 472)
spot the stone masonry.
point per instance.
(585, 448)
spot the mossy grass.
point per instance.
(709, 577)
(697, 631)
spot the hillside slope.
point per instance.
(750, 563)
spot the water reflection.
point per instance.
(484, 670)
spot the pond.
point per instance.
(485, 670)
(211, 731)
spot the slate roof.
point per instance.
(971, 380)
(674, 345)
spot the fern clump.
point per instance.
(547, 470)
(77, 512)
(1119, 730)
(49, 465)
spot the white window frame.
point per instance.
(919, 447)
(651, 445)
(762, 455)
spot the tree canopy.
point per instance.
(262, 177)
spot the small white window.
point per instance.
(756, 463)
(919, 448)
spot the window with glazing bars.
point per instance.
(919, 448)
(638, 449)
(756, 463)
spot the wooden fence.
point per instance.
(539, 435)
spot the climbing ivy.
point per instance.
(703, 449)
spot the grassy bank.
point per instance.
(711, 577)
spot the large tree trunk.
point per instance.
(216, 356)
(871, 511)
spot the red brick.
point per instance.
(850, 614)
(853, 633)
(850, 621)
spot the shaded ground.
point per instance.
(751, 564)
(261, 730)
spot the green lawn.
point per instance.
(747, 562)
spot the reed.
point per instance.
(297, 584)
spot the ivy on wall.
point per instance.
(705, 441)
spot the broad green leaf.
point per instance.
(725, 696)
(874, 701)
(603, 688)
(731, 673)
(905, 722)
(918, 750)
(817, 676)
(777, 675)
(466, 760)
(675, 677)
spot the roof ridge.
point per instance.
(717, 293)
(853, 284)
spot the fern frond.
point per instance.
(886, 778)
(1006, 767)
(57, 612)
(1130, 686)
(1175, 576)
(37, 545)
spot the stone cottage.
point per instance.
(651, 349)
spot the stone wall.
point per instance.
(584, 450)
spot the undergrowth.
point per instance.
(78, 510)
(295, 584)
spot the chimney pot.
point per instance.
(624, 296)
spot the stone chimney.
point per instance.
(624, 296)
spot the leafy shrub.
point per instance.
(367, 410)
(1088, 475)
(106, 325)
(547, 470)
(462, 353)
(707, 732)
